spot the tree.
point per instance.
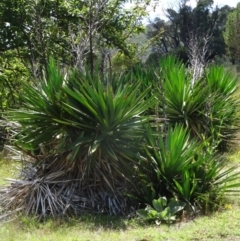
(67, 30)
(232, 34)
(13, 74)
(184, 22)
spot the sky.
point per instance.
(163, 4)
(231, 3)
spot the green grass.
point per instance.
(220, 226)
(7, 169)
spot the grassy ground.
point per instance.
(220, 226)
(7, 169)
(217, 227)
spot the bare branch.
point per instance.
(198, 53)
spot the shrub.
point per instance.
(84, 138)
(175, 165)
(208, 108)
(161, 210)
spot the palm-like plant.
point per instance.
(207, 107)
(170, 157)
(84, 137)
(179, 100)
(222, 105)
(177, 166)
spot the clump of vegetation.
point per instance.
(161, 210)
(92, 147)
(84, 138)
(175, 165)
(208, 107)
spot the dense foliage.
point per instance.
(209, 107)
(74, 32)
(232, 34)
(83, 134)
(77, 33)
(184, 24)
(92, 147)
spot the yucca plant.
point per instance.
(222, 105)
(179, 100)
(145, 77)
(176, 165)
(208, 107)
(83, 138)
(169, 156)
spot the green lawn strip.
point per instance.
(222, 226)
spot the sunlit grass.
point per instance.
(8, 169)
(217, 227)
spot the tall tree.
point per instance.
(184, 22)
(12, 75)
(232, 34)
(66, 30)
